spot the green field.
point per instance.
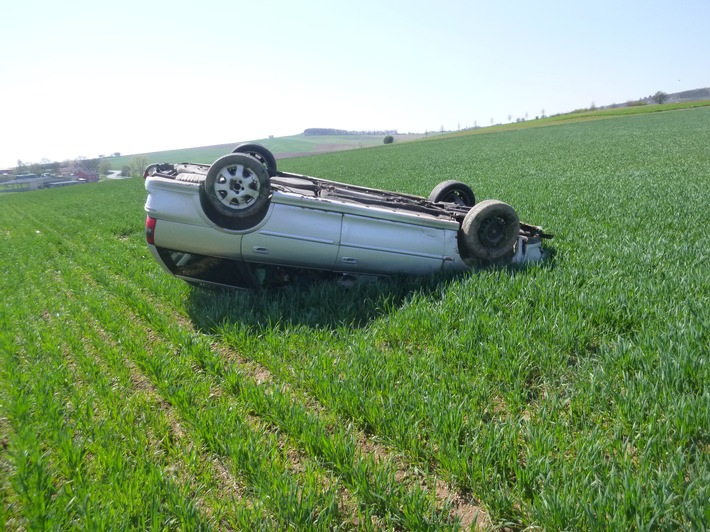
(299, 145)
(569, 395)
(291, 146)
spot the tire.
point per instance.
(453, 192)
(490, 230)
(261, 154)
(237, 187)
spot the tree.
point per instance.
(138, 164)
(660, 97)
(104, 167)
(91, 165)
(389, 139)
(51, 167)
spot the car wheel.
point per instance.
(237, 186)
(453, 192)
(490, 230)
(261, 154)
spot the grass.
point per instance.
(573, 394)
(300, 144)
(280, 146)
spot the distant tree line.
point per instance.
(330, 131)
(45, 166)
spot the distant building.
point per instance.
(64, 183)
(77, 170)
(28, 182)
(25, 182)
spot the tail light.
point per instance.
(150, 229)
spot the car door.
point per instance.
(295, 236)
(382, 246)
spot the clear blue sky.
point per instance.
(90, 77)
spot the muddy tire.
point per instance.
(261, 154)
(453, 192)
(489, 231)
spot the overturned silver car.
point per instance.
(242, 223)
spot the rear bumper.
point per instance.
(158, 258)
